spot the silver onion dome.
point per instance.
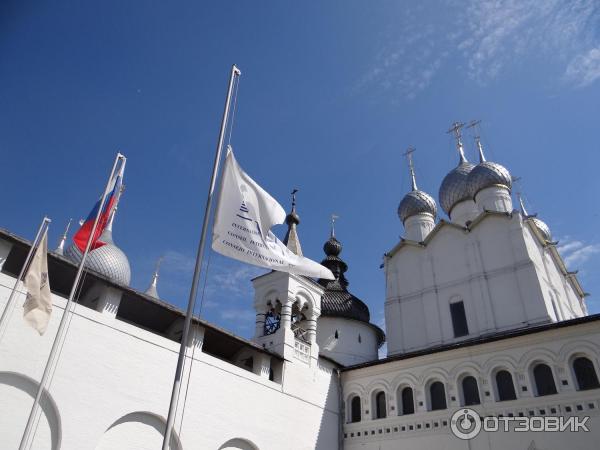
(108, 260)
(416, 202)
(487, 174)
(455, 186)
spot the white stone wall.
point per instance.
(494, 198)
(498, 270)
(561, 300)
(431, 429)
(356, 341)
(113, 381)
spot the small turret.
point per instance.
(417, 210)
(61, 245)
(539, 224)
(344, 332)
(455, 196)
(490, 183)
(291, 240)
(152, 290)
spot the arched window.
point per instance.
(505, 386)
(470, 391)
(336, 335)
(355, 409)
(544, 381)
(585, 374)
(437, 395)
(380, 409)
(408, 402)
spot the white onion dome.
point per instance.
(108, 260)
(542, 228)
(539, 224)
(455, 186)
(416, 202)
(487, 174)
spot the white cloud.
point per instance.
(500, 32)
(584, 69)
(576, 253)
(482, 38)
(232, 278)
(177, 262)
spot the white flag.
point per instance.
(242, 228)
(38, 304)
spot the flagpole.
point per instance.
(66, 313)
(9, 304)
(235, 72)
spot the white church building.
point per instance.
(481, 313)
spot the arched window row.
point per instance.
(584, 374)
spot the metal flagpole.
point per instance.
(9, 304)
(66, 313)
(235, 72)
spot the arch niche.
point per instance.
(17, 392)
(137, 431)
(238, 444)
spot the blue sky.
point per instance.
(331, 95)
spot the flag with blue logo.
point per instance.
(242, 227)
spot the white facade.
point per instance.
(430, 429)
(347, 341)
(481, 312)
(504, 274)
(111, 389)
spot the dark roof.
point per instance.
(508, 334)
(136, 307)
(337, 301)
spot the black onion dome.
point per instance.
(337, 301)
(292, 240)
(332, 247)
(292, 217)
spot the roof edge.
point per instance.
(502, 335)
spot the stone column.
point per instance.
(5, 249)
(109, 301)
(286, 313)
(262, 365)
(196, 337)
(521, 381)
(311, 328)
(261, 312)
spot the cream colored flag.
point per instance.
(242, 228)
(38, 304)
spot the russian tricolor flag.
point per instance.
(81, 237)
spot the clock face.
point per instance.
(272, 321)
